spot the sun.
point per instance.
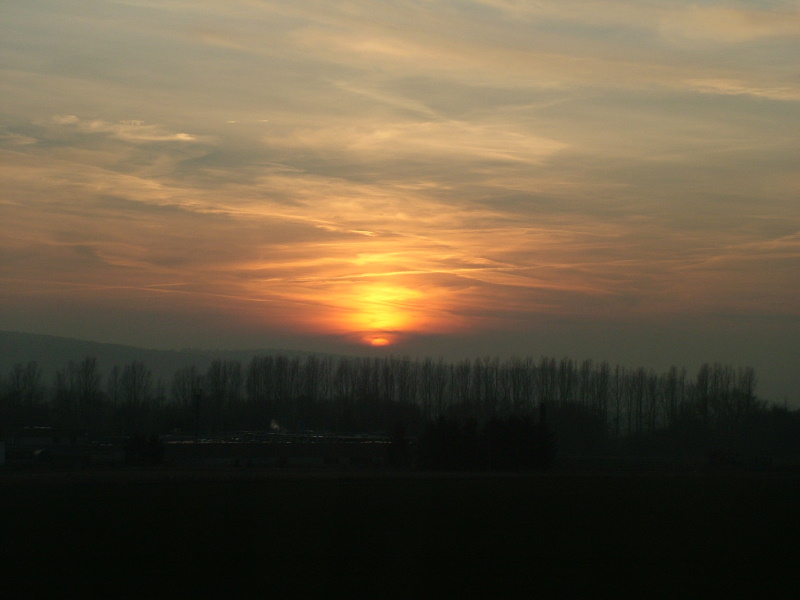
(381, 308)
(380, 312)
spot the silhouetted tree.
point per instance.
(448, 445)
(21, 398)
(136, 389)
(398, 450)
(594, 407)
(576, 429)
(517, 443)
(89, 395)
(223, 385)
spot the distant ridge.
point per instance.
(53, 353)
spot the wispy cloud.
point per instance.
(737, 88)
(411, 166)
(728, 23)
(129, 130)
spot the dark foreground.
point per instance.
(247, 533)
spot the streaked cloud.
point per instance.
(729, 23)
(736, 88)
(130, 130)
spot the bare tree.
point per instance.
(136, 389)
(702, 392)
(223, 387)
(461, 379)
(546, 380)
(89, 396)
(186, 383)
(602, 392)
(22, 396)
(566, 381)
(114, 394)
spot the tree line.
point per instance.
(592, 407)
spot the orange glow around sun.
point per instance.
(377, 314)
(382, 308)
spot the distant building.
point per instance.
(60, 447)
(38, 437)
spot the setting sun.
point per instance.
(383, 307)
(374, 313)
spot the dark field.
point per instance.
(250, 533)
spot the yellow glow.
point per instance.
(382, 307)
(375, 312)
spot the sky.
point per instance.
(596, 179)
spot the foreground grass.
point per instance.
(249, 533)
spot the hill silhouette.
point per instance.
(53, 353)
